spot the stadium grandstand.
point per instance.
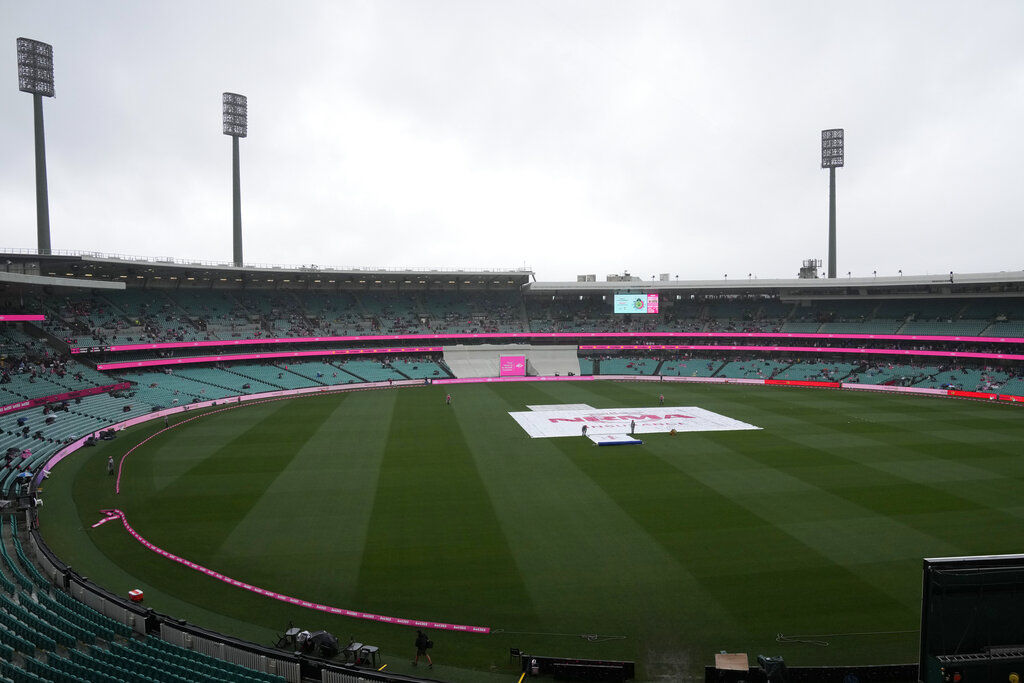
(92, 342)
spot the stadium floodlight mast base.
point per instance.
(832, 150)
(35, 76)
(236, 124)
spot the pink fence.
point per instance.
(262, 356)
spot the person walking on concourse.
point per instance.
(422, 645)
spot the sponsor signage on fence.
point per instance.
(67, 396)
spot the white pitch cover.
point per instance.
(549, 422)
(562, 406)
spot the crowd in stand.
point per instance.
(33, 367)
(143, 316)
(116, 318)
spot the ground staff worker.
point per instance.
(422, 645)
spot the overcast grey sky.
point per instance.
(565, 136)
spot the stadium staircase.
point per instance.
(251, 378)
(303, 375)
(268, 375)
(524, 316)
(370, 371)
(1004, 329)
(323, 374)
(206, 383)
(690, 367)
(752, 369)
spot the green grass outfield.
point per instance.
(391, 502)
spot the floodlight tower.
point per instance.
(832, 146)
(236, 124)
(35, 76)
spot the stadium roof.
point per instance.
(47, 281)
(83, 269)
(949, 284)
(98, 267)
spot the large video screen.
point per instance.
(636, 303)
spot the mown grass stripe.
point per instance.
(317, 510)
(433, 536)
(202, 507)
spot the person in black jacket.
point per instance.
(422, 644)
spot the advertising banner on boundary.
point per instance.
(901, 390)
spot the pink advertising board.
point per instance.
(17, 318)
(512, 366)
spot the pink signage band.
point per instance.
(812, 349)
(550, 335)
(17, 318)
(531, 378)
(261, 356)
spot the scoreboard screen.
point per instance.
(636, 303)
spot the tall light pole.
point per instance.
(236, 124)
(35, 76)
(832, 147)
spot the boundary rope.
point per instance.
(814, 639)
(118, 514)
